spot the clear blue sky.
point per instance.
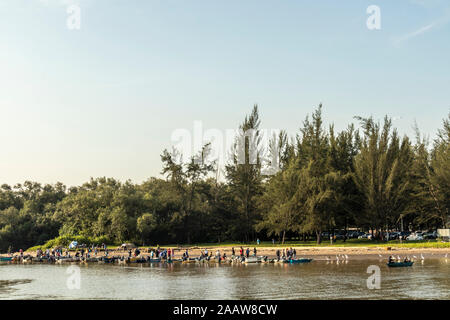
(104, 100)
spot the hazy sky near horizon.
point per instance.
(104, 100)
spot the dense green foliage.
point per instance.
(368, 178)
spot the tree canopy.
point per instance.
(365, 176)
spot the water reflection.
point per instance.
(345, 279)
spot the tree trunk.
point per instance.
(319, 237)
(284, 235)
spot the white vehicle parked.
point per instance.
(415, 236)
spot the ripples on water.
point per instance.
(315, 280)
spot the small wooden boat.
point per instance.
(394, 264)
(91, 259)
(156, 260)
(251, 260)
(6, 259)
(303, 260)
(106, 260)
(267, 260)
(210, 260)
(190, 260)
(68, 259)
(137, 260)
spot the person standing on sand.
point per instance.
(278, 254)
(247, 252)
(254, 252)
(232, 252)
(241, 252)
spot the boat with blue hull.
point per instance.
(400, 264)
(303, 260)
(5, 259)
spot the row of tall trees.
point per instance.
(367, 177)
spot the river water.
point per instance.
(429, 279)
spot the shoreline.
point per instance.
(318, 253)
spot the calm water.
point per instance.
(316, 280)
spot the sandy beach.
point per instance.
(318, 253)
(322, 253)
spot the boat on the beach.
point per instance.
(251, 260)
(302, 260)
(137, 260)
(394, 264)
(157, 260)
(91, 259)
(6, 259)
(190, 260)
(68, 259)
(106, 260)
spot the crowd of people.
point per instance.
(84, 252)
(286, 254)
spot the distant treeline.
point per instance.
(366, 177)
